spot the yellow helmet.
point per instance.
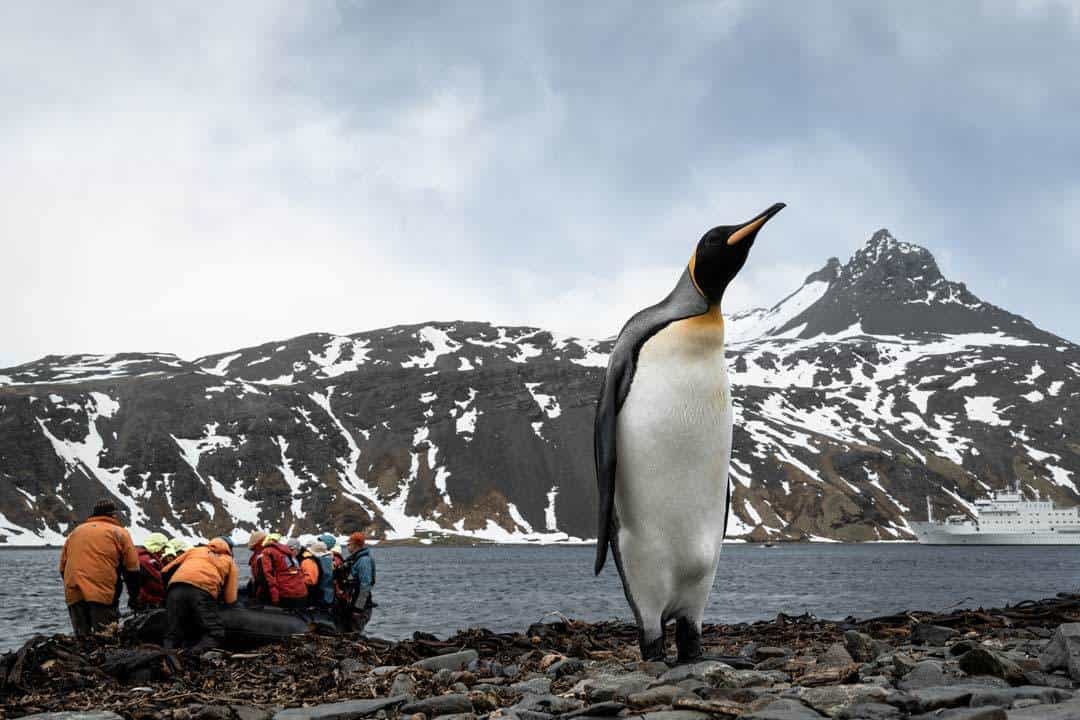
(174, 547)
(155, 542)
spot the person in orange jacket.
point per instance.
(94, 554)
(310, 567)
(318, 567)
(198, 579)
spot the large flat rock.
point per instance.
(348, 710)
(450, 661)
(783, 709)
(439, 705)
(76, 715)
(1065, 711)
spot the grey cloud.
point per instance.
(270, 169)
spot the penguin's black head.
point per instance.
(721, 252)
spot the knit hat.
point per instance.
(219, 546)
(359, 538)
(155, 542)
(328, 540)
(104, 507)
(294, 545)
(271, 538)
(256, 539)
(318, 549)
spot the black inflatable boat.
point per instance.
(245, 627)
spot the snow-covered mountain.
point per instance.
(874, 384)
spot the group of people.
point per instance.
(99, 558)
(289, 574)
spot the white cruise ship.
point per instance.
(1004, 519)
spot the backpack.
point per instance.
(289, 578)
(322, 593)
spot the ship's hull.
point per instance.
(938, 534)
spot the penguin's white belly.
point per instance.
(674, 444)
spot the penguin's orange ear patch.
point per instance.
(691, 267)
(738, 235)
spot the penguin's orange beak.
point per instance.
(749, 229)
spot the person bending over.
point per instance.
(198, 579)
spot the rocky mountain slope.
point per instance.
(875, 384)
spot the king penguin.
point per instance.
(663, 442)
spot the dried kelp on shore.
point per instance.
(559, 668)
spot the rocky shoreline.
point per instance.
(1020, 662)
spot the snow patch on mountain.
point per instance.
(294, 482)
(17, 535)
(551, 520)
(86, 455)
(341, 355)
(438, 343)
(466, 415)
(753, 326)
(221, 365)
(549, 404)
(593, 356)
(983, 409)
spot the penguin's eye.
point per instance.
(717, 238)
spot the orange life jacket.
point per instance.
(91, 560)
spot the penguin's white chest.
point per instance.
(674, 444)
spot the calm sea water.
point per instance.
(442, 589)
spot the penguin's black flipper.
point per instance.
(604, 449)
(683, 302)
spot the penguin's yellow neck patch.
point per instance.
(700, 333)
(709, 320)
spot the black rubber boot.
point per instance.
(687, 640)
(206, 644)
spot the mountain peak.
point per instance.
(828, 273)
(888, 287)
(896, 257)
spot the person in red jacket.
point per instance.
(256, 588)
(280, 570)
(151, 587)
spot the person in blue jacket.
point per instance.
(359, 570)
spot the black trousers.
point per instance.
(86, 617)
(293, 603)
(360, 611)
(192, 615)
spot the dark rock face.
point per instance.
(876, 384)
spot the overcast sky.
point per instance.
(183, 178)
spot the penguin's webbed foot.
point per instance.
(653, 650)
(688, 641)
